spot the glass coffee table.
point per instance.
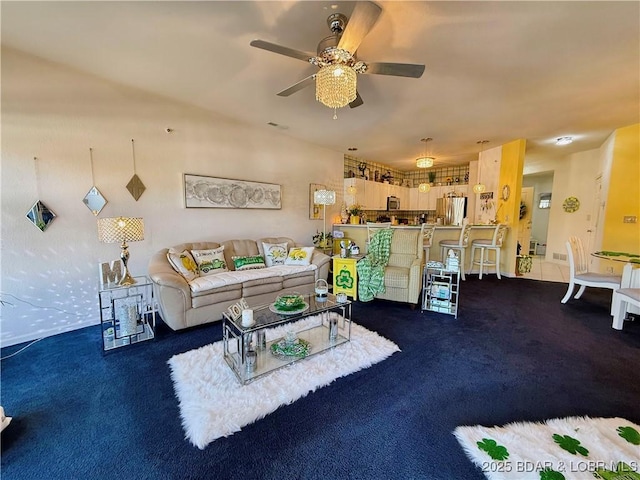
(254, 351)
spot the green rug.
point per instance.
(559, 449)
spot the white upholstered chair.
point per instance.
(403, 273)
(623, 297)
(485, 246)
(460, 244)
(579, 273)
(373, 227)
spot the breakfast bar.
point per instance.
(358, 234)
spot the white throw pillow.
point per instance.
(210, 261)
(274, 253)
(299, 256)
(184, 264)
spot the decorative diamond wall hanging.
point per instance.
(41, 216)
(94, 199)
(135, 186)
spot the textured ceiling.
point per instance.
(494, 70)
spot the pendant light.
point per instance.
(480, 187)
(424, 161)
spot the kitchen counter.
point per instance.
(358, 234)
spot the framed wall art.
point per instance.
(213, 192)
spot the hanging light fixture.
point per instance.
(480, 187)
(336, 85)
(424, 187)
(336, 81)
(425, 161)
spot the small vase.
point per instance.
(344, 218)
(354, 220)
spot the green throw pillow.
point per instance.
(248, 263)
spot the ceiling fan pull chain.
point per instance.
(335, 113)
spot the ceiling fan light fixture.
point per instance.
(336, 85)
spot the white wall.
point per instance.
(573, 176)
(489, 175)
(49, 280)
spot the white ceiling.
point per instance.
(494, 70)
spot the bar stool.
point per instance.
(460, 244)
(427, 239)
(485, 246)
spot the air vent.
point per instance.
(560, 256)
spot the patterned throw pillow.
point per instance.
(184, 264)
(210, 261)
(299, 256)
(274, 253)
(248, 263)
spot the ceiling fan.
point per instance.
(336, 84)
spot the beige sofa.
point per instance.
(185, 304)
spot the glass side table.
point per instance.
(127, 313)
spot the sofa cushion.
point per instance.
(274, 253)
(261, 285)
(211, 261)
(217, 295)
(396, 277)
(239, 248)
(183, 263)
(307, 277)
(202, 284)
(299, 256)
(248, 263)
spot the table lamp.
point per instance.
(121, 230)
(324, 198)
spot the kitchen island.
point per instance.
(358, 234)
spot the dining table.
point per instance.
(630, 272)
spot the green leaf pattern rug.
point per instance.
(572, 448)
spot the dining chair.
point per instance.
(579, 273)
(485, 246)
(623, 298)
(427, 239)
(460, 244)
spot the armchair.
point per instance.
(403, 273)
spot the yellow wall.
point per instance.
(624, 193)
(511, 167)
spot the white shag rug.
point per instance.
(213, 404)
(558, 449)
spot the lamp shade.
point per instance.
(324, 197)
(120, 229)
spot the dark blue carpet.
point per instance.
(514, 354)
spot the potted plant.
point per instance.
(432, 177)
(323, 240)
(355, 210)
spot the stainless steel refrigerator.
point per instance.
(452, 210)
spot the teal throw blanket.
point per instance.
(371, 267)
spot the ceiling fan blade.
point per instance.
(357, 102)
(298, 86)
(289, 52)
(397, 69)
(363, 18)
